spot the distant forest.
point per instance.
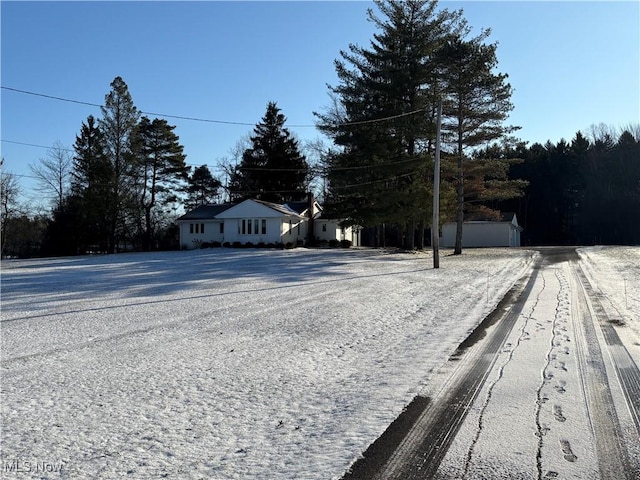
(583, 192)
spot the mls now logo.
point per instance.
(25, 466)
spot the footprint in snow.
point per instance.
(557, 412)
(569, 456)
(560, 387)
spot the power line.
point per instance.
(35, 145)
(334, 169)
(206, 120)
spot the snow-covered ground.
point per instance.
(615, 273)
(544, 410)
(229, 364)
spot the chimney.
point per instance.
(310, 230)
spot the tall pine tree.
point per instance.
(118, 123)
(272, 169)
(383, 117)
(161, 170)
(476, 103)
(92, 184)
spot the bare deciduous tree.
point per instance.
(9, 193)
(53, 173)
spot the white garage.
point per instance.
(503, 233)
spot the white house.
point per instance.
(502, 233)
(255, 222)
(328, 229)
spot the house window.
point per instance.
(191, 228)
(202, 228)
(324, 227)
(299, 223)
(222, 227)
(252, 226)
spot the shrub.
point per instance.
(261, 245)
(249, 245)
(205, 245)
(289, 245)
(345, 243)
(333, 243)
(226, 244)
(236, 244)
(216, 244)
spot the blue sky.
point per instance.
(571, 64)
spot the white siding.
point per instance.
(331, 230)
(249, 209)
(189, 240)
(293, 230)
(233, 231)
(482, 234)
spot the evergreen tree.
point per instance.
(202, 187)
(161, 169)
(272, 169)
(118, 123)
(383, 117)
(476, 103)
(91, 184)
(580, 193)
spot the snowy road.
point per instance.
(552, 391)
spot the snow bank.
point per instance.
(228, 364)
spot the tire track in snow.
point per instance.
(613, 459)
(626, 369)
(424, 446)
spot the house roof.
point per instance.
(298, 207)
(302, 208)
(211, 212)
(285, 209)
(508, 217)
(205, 212)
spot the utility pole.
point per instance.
(435, 224)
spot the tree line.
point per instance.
(128, 172)
(581, 192)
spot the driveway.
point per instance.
(544, 388)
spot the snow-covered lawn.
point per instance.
(250, 363)
(229, 364)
